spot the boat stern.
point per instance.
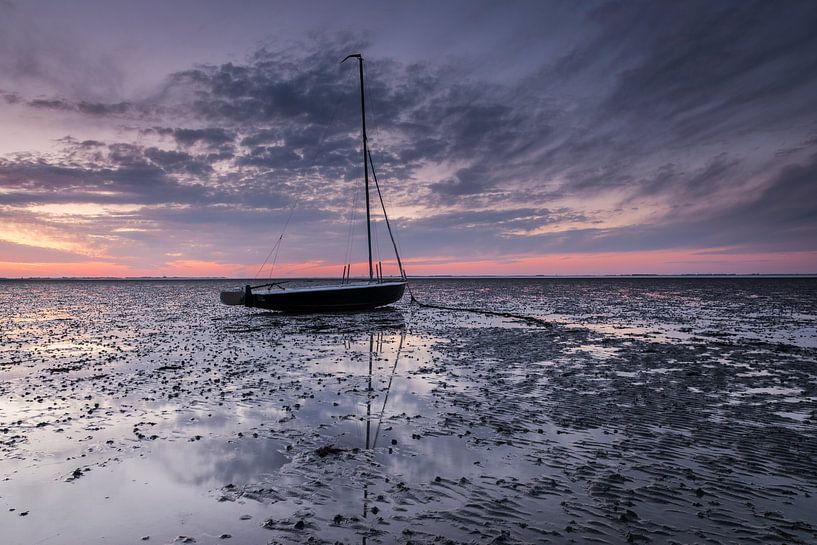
(232, 297)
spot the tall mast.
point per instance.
(359, 58)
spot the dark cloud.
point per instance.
(466, 181)
(688, 187)
(707, 69)
(92, 144)
(51, 104)
(691, 79)
(784, 214)
(270, 156)
(501, 222)
(782, 217)
(83, 107)
(124, 177)
(179, 162)
(263, 136)
(211, 137)
(98, 108)
(11, 98)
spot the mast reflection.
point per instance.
(376, 347)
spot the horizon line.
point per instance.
(433, 276)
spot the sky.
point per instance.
(195, 138)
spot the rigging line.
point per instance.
(373, 115)
(376, 239)
(277, 244)
(258, 272)
(296, 201)
(277, 247)
(305, 268)
(351, 232)
(388, 388)
(386, 217)
(529, 319)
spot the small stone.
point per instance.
(299, 525)
(327, 450)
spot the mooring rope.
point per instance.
(528, 319)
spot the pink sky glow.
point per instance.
(655, 262)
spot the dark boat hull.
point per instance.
(322, 299)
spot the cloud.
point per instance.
(83, 107)
(123, 176)
(98, 108)
(211, 137)
(179, 162)
(782, 217)
(24, 253)
(466, 181)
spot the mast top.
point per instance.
(353, 55)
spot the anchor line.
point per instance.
(528, 319)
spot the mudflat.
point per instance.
(638, 410)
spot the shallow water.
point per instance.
(660, 410)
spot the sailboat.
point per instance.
(347, 295)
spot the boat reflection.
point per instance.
(344, 323)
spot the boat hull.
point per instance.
(320, 299)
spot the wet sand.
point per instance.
(145, 412)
